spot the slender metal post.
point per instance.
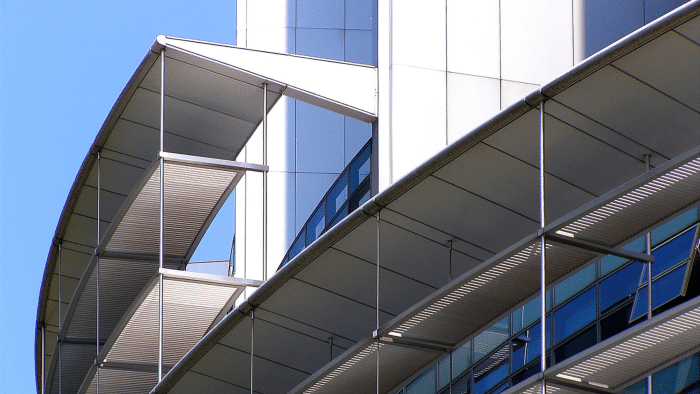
(60, 320)
(377, 328)
(43, 358)
(252, 346)
(162, 201)
(451, 377)
(330, 342)
(264, 174)
(449, 274)
(543, 283)
(97, 256)
(647, 159)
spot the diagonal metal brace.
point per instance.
(597, 248)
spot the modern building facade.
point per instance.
(527, 159)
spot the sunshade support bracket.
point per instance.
(598, 248)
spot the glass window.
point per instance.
(528, 313)
(639, 387)
(424, 384)
(663, 290)
(616, 322)
(298, 245)
(337, 196)
(610, 263)
(461, 385)
(491, 371)
(672, 252)
(526, 373)
(620, 287)
(360, 168)
(671, 227)
(339, 216)
(443, 372)
(574, 284)
(488, 340)
(576, 344)
(317, 224)
(461, 359)
(677, 377)
(574, 315)
(359, 196)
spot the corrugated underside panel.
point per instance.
(358, 374)
(461, 312)
(76, 360)
(191, 193)
(188, 310)
(640, 208)
(118, 381)
(643, 352)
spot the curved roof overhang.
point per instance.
(213, 103)
(640, 96)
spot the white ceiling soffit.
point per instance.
(346, 88)
(191, 304)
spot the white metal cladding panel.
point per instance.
(188, 311)
(640, 208)
(76, 360)
(461, 312)
(191, 193)
(119, 381)
(643, 352)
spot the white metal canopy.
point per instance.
(467, 221)
(213, 102)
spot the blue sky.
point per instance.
(62, 66)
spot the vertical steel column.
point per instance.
(252, 346)
(43, 358)
(60, 321)
(97, 256)
(264, 174)
(449, 274)
(647, 159)
(162, 198)
(543, 283)
(377, 328)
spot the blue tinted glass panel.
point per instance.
(424, 384)
(640, 304)
(576, 344)
(337, 196)
(666, 230)
(359, 196)
(663, 290)
(316, 224)
(639, 387)
(444, 372)
(609, 263)
(673, 252)
(526, 373)
(574, 284)
(491, 371)
(461, 385)
(574, 315)
(535, 334)
(461, 359)
(616, 322)
(620, 287)
(339, 216)
(503, 387)
(520, 346)
(326, 43)
(488, 340)
(358, 46)
(298, 245)
(677, 377)
(360, 168)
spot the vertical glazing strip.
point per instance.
(377, 328)
(162, 198)
(647, 159)
(264, 174)
(543, 283)
(252, 346)
(97, 256)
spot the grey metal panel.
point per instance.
(119, 381)
(76, 362)
(691, 29)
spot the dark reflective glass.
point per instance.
(672, 252)
(578, 343)
(616, 322)
(491, 371)
(359, 196)
(461, 385)
(526, 373)
(337, 196)
(316, 224)
(620, 287)
(339, 216)
(574, 315)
